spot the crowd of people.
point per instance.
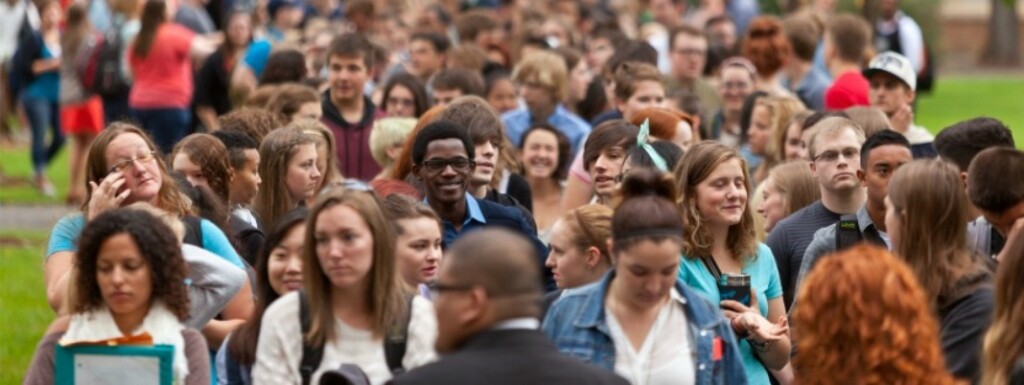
(466, 192)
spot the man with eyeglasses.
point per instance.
(834, 148)
(487, 298)
(442, 157)
(881, 155)
(689, 52)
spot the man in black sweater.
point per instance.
(834, 148)
(486, 297)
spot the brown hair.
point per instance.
(289, 98)
(1004, 343)
(606, 135)
(803, 35)
(929, 199)
(988, 184)
(782, 109)
(386, 295)
(766, 46)
(254, 122)
(484, 125)
(397, 207)
(850, 36)
(154, 15)
(630, 74)
(797, 185)
(76, 30)
(259, 97)
(169, 198)
(871, 119)
(646, 210)
(592, 227)
(887, 338)
(472, 23)
(155, 242)
(684, 29)
(697, 164)
(272, 200)
(467, 57)
(210, 154)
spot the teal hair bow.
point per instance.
(641, 141)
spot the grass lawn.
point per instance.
(23, 309)
(16, 176)
(959, 98)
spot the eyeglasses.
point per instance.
(130, 163)
(401, 102)
(690, 52)
(832, 155)
(436, 288)
(459, 164)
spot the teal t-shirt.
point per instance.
(764, 280)
(64, 237)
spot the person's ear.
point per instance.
(416, 171)
(911, 95)
(593, 257)
(862, 177)
(813, 167)
(477, 305)
(393, 151)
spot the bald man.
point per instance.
(487, 298)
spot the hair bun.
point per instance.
(644, 181)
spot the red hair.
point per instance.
(403, 164)
(864, 319)
(663, 121)
(766, 45)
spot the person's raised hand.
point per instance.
(902, 119)
(105, 195)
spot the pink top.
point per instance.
(163, 79)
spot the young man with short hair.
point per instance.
(543, 84)
(996, 188)
(893, 84)
(347, 111)
(689, 50)
(846, 41)
(442, 156)
(479, 28)
(834, 148)
(801, 77)
(451, 83)
(880, 156)
(427, 52)
(638, 86)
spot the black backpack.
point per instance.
(394, 342)
(848, 233)
(99, 66)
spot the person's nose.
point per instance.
(294, 265)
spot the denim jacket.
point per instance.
(576, 323)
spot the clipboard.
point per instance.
(89, 365)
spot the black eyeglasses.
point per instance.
(436, 288)
(459, 164)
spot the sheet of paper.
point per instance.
(94, 369)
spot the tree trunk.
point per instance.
(1003, 48)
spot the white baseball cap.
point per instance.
(893, 64)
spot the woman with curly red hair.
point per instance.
(864, 319)
(768, 48)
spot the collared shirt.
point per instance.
(474, 218)
(519, 120)
(824, 241)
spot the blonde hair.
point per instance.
(783, 110)
(388, 132)
(546, 69)
(796, 183)
(832, 127)
(323, 137)
(277, 148)
(871, 119)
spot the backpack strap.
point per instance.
(847, 232)
(712, 266)
(396, 340)
(311, 355)
(193, 230)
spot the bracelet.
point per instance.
(761, 347)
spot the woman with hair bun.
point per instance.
(639, 320)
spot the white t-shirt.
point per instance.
(279, 352)
(665, 357)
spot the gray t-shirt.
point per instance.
(195, 19)
(789, 240)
